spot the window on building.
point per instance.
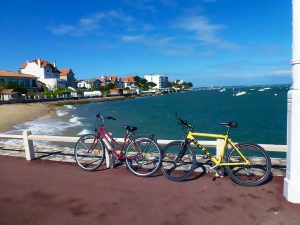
(13, 81)
(26, 83)
(21, 82)
(34, 83)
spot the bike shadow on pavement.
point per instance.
(199, 171)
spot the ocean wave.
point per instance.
(69, 106)
(61, 113)
(39, 127)
(85, 131)
(76, 120)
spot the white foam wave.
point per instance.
(222, 90)
(85, 131)
(75, 120)
(40, 127)
(275, 94)
(61, 113)
(70, 107)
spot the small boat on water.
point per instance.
(240, 93)
(264, 89)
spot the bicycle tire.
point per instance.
(143, 157)
(182, 169)
(89, 157)
(257, 173)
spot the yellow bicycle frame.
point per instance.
(218, 161)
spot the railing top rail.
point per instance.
(73, 139)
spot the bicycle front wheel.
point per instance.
(89, 152)
(143, 157)
(259, 170)
(179, 161)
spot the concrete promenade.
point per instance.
(49, 192)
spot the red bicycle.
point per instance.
(142, 155)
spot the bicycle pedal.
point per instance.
(219, 173)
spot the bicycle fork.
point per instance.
(182, 151)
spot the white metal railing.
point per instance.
(28, 139)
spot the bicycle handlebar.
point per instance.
(184, 122)
(104, 117)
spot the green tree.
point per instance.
(151, 84)
(189, 85)
(14, 86)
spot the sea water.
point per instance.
(260, 112)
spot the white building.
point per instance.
(84, 84)
(160, 81)
(128, 82)
(45, 72)
(87, 84)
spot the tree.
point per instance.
(151, 84)
(189, 85)
(14, 86)
(111, 86)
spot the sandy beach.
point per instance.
(13, 114)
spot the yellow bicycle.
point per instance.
(247, 164)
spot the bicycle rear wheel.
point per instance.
(179, 161)
(259, 170)
(89, 153)
(143, 157)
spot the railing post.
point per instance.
(291, 188)
(109, 156)
(219, 146)
(28, 145)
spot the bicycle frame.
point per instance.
(111, 142)
(218, 161)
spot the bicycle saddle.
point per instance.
(130, 128)
(230, 124)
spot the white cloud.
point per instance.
(281, 72)
(204, 31)
(90, 23)
(161, 44)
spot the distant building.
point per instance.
(87, 84)
(68, 76)
(160, 81)
(128, 82)
(45, 72)
(116, 91)
(8, 95)
(26, 81)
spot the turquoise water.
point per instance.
(261, 114)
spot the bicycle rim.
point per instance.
(259, 170)
(89, 155)
(143, 157)
(178, 167)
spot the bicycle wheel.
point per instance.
(143, 157)
(259, 170)
(89, 154)
(178, 164)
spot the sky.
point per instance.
(206, 42)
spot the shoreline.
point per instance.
(18, 113)
(90, 100)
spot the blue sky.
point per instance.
(207, 42)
